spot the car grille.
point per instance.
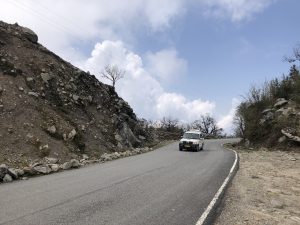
(188, 142)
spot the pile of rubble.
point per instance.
(49, 108)
(52, 165)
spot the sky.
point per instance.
(182, 58)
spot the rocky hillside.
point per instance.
(270, 115)
(49, 108)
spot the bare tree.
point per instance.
(208, 126)
(112, 73)
(169, 123)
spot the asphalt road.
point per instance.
(161, 187)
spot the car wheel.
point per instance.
(198, 148)
(180, 149)
(202, 147)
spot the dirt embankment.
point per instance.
(265, 190)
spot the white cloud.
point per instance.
(226, 121)
(61, 25)
(236, 10)
(66, 26)
(170, 104)
(166, 65)
(140, 88)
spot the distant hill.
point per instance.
(48, 107)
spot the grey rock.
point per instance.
(29, 79)
(85, 156)
(74, 163)
(19, 172)
(29, 34)
(7, 178)
(46, 77)
(115, 155)
(266, 111)
(51, 160)
(106, 157)
(290, 136)
(3, 170)
(12, 173)
(72, 134)
(75, 97)
(66, 166)
(29, 171)
(42, 169)
(31, 93)
(51, 129)
(54, 167)
(282, 139)
(118, 138)
(128, 136)
(280, 102)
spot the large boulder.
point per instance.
(3, 171)
(7, 178)
(280, 102)
(29, 34)
(128, 137)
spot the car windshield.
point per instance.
(191, 136)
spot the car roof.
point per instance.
(193, 132)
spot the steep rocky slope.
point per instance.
(49, 108)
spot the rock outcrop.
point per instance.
(284, 117)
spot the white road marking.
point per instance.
(211, 205)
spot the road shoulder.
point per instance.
(265, 190)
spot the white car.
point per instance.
(192, 140)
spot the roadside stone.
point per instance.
(12, 173)
(3, 170)
(74, 163)
(66, 166)
(51, 160)
(105, 157)
(85, 156)
(29, 171)
(19, 172)
(42, 169)
(54, 167)
(7, 178)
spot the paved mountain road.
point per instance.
(161, 187)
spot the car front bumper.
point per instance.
(188, 146)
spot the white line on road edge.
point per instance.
(214, 201)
